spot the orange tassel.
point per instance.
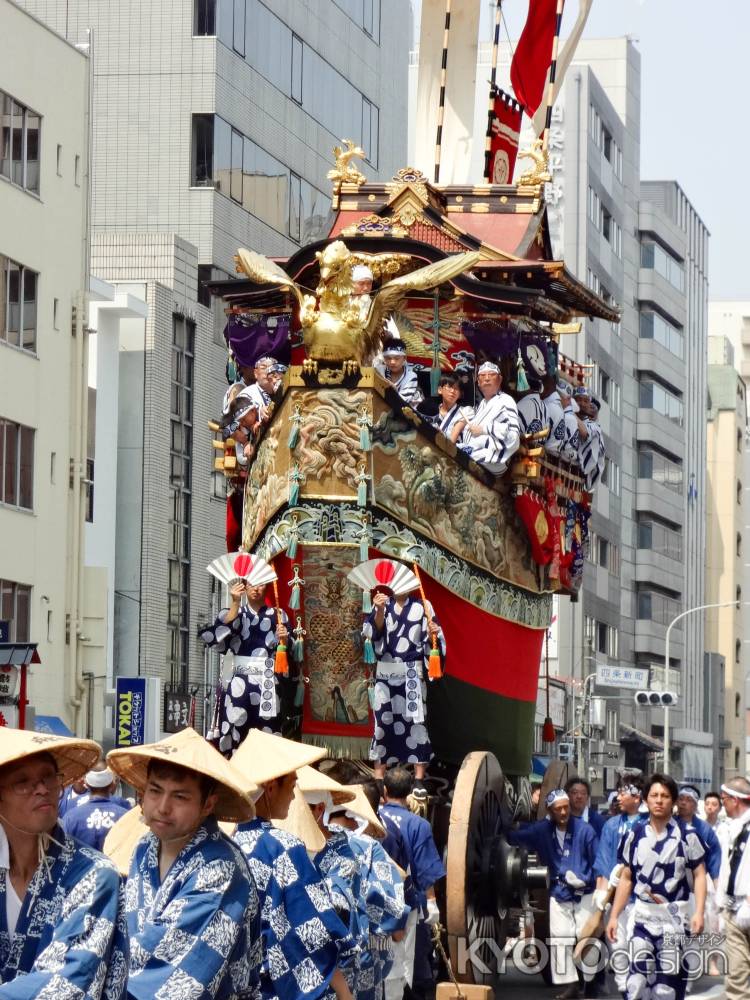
(281, 663)
(434, 669)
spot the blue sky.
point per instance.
(695, 115)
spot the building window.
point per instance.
(609, 391)
(238, 34)
(661, 538)
(654, 464)
(739, 493)
(739, 441)
(180, 482)
(18, 302)
(653, 326)
(604, 553)
(737, 650)
(613, 729)
(600, 637)
(737, 703)
(611, 476)
(15, 608)
(739, 545)
(88, 483)
(77, 171)
(20, 129)
(671, 680)
(655, 257)
(59, 160)
(365, 14)
(296, 82)
(654, 396)
(205, 17)
(17, 464)
(203, 151)
(658, 606)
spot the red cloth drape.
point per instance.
(504, 135)
(533, 55)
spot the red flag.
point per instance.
(533, 56)
(505, 128)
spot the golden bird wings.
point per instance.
(266, 272)
(392, 293)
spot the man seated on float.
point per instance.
(451, 417)
(303, 939)
(242, 424)
(61, 920)
(396, 369)
(557, 402)
(591, 454)
(567, 845)
(251, 630)
(401, 630)
(190, 901)
(266, 373)
(531, 409)
(493, 433)
(362, 289)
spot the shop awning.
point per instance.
(51, 724)
(631, 734)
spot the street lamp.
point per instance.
(683, 614)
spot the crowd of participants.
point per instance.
(263, 877)
(672, 887)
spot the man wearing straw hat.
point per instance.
(62, 930)
(190, 901)
(382, 882)
(302, 937)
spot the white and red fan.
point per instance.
(242, 566)
(384, 573)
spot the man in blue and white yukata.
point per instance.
(396, 369)
(734, 887)
(591, 453)
(62, 928)
(401, 636)
(303, 939)
(425, 868)
(562, 440)
(190, 901)
(90, 821)
(567, 845)
(383, 892)
(607, 867)
(663, 862)
(251, 630)
(493, 433)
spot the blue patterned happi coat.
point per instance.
(303, 938)
(383, 895)
(70, 940)
(195, 935)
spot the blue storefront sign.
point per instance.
(130, 712)
(4, 631)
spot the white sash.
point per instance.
(410, 674)
(259, 669)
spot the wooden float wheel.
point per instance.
(476, 905)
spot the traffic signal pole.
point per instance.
(683, 614)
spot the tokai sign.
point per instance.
(130, 711)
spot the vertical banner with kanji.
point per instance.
(505, 128)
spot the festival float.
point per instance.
(345, 470)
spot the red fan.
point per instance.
(384, 573)
(242, 566)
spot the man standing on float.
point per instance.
(401, 635)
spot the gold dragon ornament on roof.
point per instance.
(337, 325)
(345, 172)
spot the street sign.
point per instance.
(610, 675)
(130, 711)
(4, 631)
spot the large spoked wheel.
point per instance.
(475, 896)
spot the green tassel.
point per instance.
(291, 549)
(371, 695)
(364, 437)
(522, 383)
(299, 694)
(293, 439)
(294, 493)
(364, 550)
(369, 652)
(366, 602)
(298, 650)
(362, 493)
(294, 599)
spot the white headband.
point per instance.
(488, 366)
(631, 790)
(690, 792)
(557, 795)
(320, 798)
(733, 793)
(99, 779)
(361, 272)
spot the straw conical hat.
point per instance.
(310, 780)
(73, 757)
(300, 821)
(261, 757)
(361, 807)
(122, 839)
(188, 749)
